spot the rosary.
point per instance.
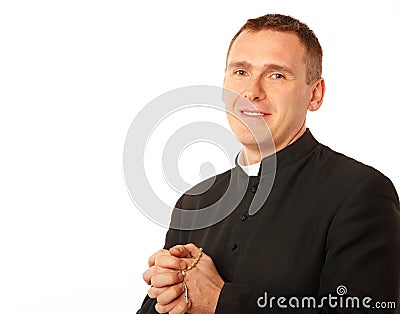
(183, 272)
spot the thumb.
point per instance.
(192, 250)
(180, 251)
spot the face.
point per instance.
(267, 68)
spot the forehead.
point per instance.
(268, 46)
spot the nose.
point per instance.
(254, 91)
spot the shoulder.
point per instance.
(369, 203)
(218, 181)
(350, 173)
(206, 192)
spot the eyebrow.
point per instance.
(269, 66)
(239, 64)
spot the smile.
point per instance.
(253, 113)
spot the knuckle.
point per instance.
(153, 258)
(147, 276)
(180, 308)
(160, 308)
(179, 289)
(175, 263)
(162, 261)
(150, 293)
(176, 291)
(154, 281)
(158, 281)
(178, 275)
(156, 270)
(177, 246)
(166, 297)
(163, 252)
(160, 300)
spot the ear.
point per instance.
(317, 94)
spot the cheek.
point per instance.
(292, 102)
(239, 129)
(235, 124)
(233, 84)
(302, 96)
(227, 82)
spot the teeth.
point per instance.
(248, 113)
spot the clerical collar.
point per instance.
(251, 170)
(286, 156)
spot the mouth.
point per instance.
(253, 113)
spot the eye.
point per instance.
(240, 72)
(277, 76)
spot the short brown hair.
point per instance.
(284, 23)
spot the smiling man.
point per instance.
(330, 224)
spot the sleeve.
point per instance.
(172, 238)
(363, 248)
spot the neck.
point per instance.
(252, 154)
(292, 139)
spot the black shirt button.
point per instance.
(243, 217)
(233, 246)
(253, 189)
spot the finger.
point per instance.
(170, 294)
(154, 292)
(152, 271)
(166, 308)
(148, 274)
(178, 305)
(180, 251)
(181, 308)
(152, 258)
(193, 250)
(170, 278)
(170, 262)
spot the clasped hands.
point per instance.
(203, 283)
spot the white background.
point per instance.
(73, 75)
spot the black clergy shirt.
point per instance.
(328, 221)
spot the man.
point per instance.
(329, 221)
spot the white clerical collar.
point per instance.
(251, 170)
